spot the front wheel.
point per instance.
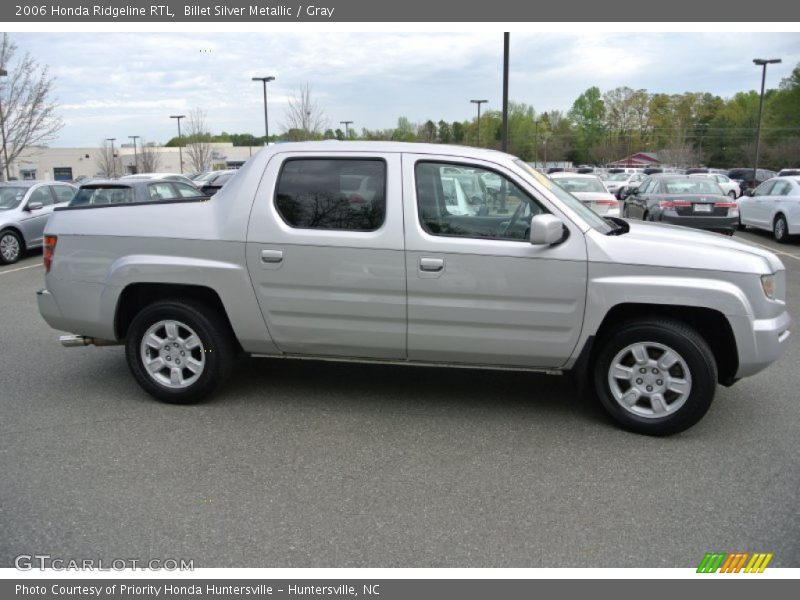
(655, 377)
(10, 248)
(179, 351)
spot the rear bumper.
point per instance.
(698, 222)
(49, 309)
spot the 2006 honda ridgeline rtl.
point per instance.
(418, 255)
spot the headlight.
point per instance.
(768, 285)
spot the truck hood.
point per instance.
(661, 245)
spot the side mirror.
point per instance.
(546, 230)
(750, 192)
(34, 206)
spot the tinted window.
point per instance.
(187, 191)
(63, 193)
(446, 208)
(343, 194)
(102, 195)
(42, 195)
(162, 191)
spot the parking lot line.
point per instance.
(794, 256)
(19, 269)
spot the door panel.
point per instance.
(327, 291)
(33, 222)
(493, 302)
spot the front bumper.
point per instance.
(760, 342)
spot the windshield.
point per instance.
(695, 185)
(591, 218)
(10, 197)
(581, 184)
(617, 177)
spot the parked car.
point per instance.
(620, 184)
(277, 265)
(590, 190)
(730, 187)
(788, 172)
(25, 207)
(744, 177)
(773, 206)
(211, 185)
(683, 200)
(133, 191)
(165, 176)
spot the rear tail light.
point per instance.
(49, 250)
(674, 203)
(733, 208)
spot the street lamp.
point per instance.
(346, 128)
(113, 159)
(180, 149)
(135, 155)
(4, 73)
(479, 102)
(761, 62)
(265, 80)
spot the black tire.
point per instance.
(688, 344)
(11, 236)
(625, 213)
(219, 348)
(732, 194)
(741, 226)
(780, 230)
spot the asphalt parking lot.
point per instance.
(307, 464)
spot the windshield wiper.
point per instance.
(620, 226)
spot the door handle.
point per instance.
(272, 256)
(432, 265)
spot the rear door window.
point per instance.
(339, 194)
(162, 191)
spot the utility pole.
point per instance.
(135, 154)
(180, 148)
(346, 128)
(479, 102)
(506, 44)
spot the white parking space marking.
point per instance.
(19, 269)
(771, 249)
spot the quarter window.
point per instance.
(186, 191)
(473, 203)
(338, 194)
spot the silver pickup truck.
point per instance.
(364, 252)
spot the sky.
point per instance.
(121, 84)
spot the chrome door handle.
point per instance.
(433, 265)
(272, 256)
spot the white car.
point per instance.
(620, 184)
(590, 190)
(728, 185)
(773, 206)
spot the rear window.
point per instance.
(338, 194)
(695, 185)
(102, 195)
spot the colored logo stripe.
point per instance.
(734, 562)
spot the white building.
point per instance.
(65, 164)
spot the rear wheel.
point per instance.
(732, 194)
(11, 247)
(780, 230)
(179, 351)
(655, 377)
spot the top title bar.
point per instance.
(440, 11)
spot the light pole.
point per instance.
(763, 64)
(4, 73)
(265, 80)
(479, 102)
(135, 154)
(180, 149)
(113, 159)
(346, 128)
